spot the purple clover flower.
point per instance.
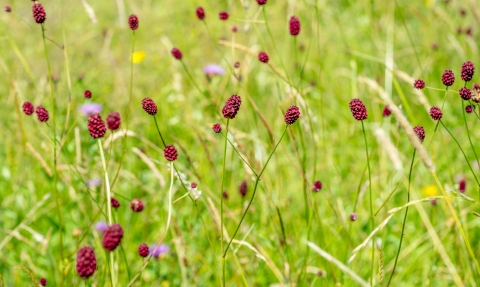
(90, 108)
(213, 69)
(161, 250)
(101, 226)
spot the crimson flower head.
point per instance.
(28, 108)
(177, 54)
(112, 237)
(149, 106)
(87, 94)
(263, 57)
(39, 13)
(469, 109)
(133, 22)
(386, 111)
(136, 205)
(419, 84)
(420, 132)
(242, 189)
(170, 153)
(261, 2)
(96, 126)
(114, 202)
(7, 9)
(193, 185)
(200, 13)
(462, 185)
(143, 250)
(294, 26)
(292, 114)
(43, 282)
(232, 106)
(86, 262)
(217, 128)
(42, 114)
(465, 93)
(113, 121)
(317, 186)
(223, 15)
(353, 216)
(448, 78)
(237, 64)
(468, 69)
(436, 113)
(358, 109)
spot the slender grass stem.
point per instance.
(239, 155)
(469, 138)
(221, 202)
(158, 130)
(191, 78)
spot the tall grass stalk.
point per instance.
(221, 202)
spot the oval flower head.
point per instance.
(138, 57)
(213, 69)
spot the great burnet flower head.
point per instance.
(136, 205)
(87, 94)
(291, 115)
(143, 250)
(200, 13)
(96, 126)
(149, 106)
(114, 202)
(261, 2)
(231, 107)
(294, 26)
(419, 84)
(448, 78)
(317, 186)
(112, 237)
(86, 262)
(28, 108)
(170, 153)
(263, 57)
(133, 22)
(113, 121)
(465, 93)
(242, 188)
(386, 111)
(42, 114)
(353, 216)
(39, 13)
(435, 113)
(217, 128)
(177, 54)
(420, 132)
(43, 282)
(358, 109)
(7, 9)
(468, 69)
(223, 15)
(469, 109)
(237, 64)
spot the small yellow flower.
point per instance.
(430, 190)
(165, 284)
(429, 3)
(138, 57)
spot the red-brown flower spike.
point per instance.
(133, 22)
(317, 186)
(242, 189)
(435, 113)
(386, 111)
(448, 78)
(294, 26)
(261, 2)
(468, 69)
(112, 237)
(263, 57)
(42, 114)
(231, 107)
(200, 13)
(420, 132)
(149, 106)
(143, 250)
(170, 153)
(43, 282)
(114, 202)
(136, 205)
(113, 121)
(465, 93)
(358, 109)
(177, 54)
(217, 128)
(39, 13)
(28, 108)
(291, 115)
(237, 65)
(87, 94)
(419, 84)
(86, 262)
(223, 15)
(468, 109)
(96, 126)
(353, 216)
(7, 9)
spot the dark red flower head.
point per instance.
(39, 13)
(242, 189)
(87, 94)
(149, 106)
(177, 54)
(448, 78)
(237, 64)
(231, 107)
(225, 194)
(170, 153)
(43, 282)
(468, 69)
(291, 115)
(193, 185)
(96, 126)
(133, 22)
(263, 57)
(234, 29)
(419, 84)
(217, 128)
(386, 111)
(353, 216)
(42, 114)
(462, 185)
(465, 93)
(28, 108)
(113, 121)
(136, 205)
(358, 109)
(200, 13)
(261, 2)
(436, 113)
(294, 26)
(223, 15)
(114, 202)
(469, 109)
(317, 186)
(112, 237)
(7, 9)
(420, 132)
(86, 262)
(143, 250)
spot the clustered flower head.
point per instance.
(294, 26)
(386, 111)
(420, 132)
(42, 114)
(112, 237)
(43, 282)
(419, 84)
(143, 250)
(435, 113)
(462, 185)
(86, 262)
(96, 126)
(217, 128)
(39, 13)
(465, 93)
(263, 57)
(469, 109)
(28, 108)
(223, 15)
(231, 107)
(200, 13)
(7, 9)
(358, 109)
(170, 153)
(468, 69)
(225, 194)
(448, 78)
(317, 186)
(87, 94)
(353, 216)
(242, 189)
(149, 106)
(292, 114)
(261, 2)
(114, 202)
(237, 64)
(136, 205)
(133, 22)
(113, 121)
(177, 54)
(193, 185)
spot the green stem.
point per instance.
(191, 78)
(158, 129)
(468, 131)
(239, 155)
(221, 202)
